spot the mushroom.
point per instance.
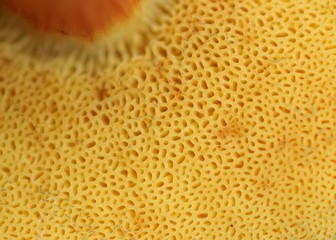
(196, 119)
(73, 18)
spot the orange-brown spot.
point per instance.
(102, 93)
(284, 143)
(266, 184)
(5, 63)
(75, 18)
(234, 128)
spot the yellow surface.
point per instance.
(200, 120)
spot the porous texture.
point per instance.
(223, 127)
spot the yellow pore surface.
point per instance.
(221, 126)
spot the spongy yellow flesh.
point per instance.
(222, 127)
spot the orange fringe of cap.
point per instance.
(76, 18)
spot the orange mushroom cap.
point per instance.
(74, 18)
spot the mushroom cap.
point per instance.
(76, 18)
(221, 127)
